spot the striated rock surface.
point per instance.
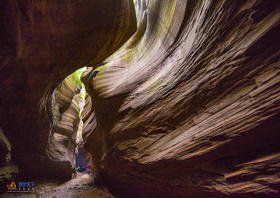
(189, 106)
(41, 43)
(72, 119)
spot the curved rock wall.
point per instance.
(65, 120)
(42, 42)
(189, 106)
(72, 119)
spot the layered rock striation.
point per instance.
(72, 120)
(189, 106)
(41, 43)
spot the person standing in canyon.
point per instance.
(88, 169)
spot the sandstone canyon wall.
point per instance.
(41, 43)
(189, 106)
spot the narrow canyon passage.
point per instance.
(140, 98)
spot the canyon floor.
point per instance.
(81, 187)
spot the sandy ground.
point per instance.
(81, 187)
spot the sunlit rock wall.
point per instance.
(41, 43)
(189, 106)
(72, 119)
(64, 120)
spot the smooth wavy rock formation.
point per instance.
(72, 120)
(189, 106)
(182, 96)
(41, 43)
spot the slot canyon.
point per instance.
(155, 98)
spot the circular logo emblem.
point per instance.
(12, 186)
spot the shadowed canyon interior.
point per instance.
(164, 98)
